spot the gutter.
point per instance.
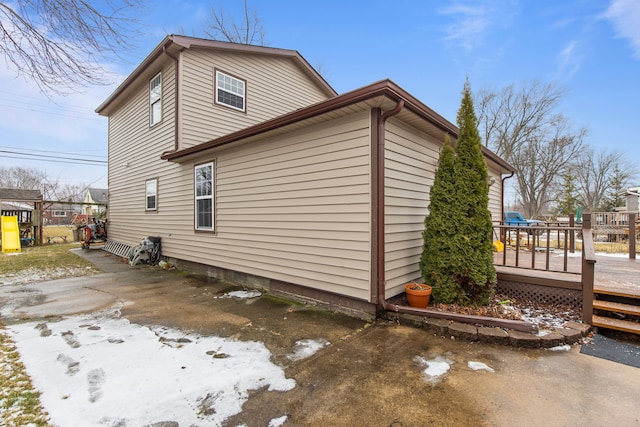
(378, 236)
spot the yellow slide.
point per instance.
(10, 234)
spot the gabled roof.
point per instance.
(384, 94)
(17, 195)
(99, 195)
(174, 44)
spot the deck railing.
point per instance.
(544, 246)
(549, 247)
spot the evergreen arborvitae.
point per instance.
(438, 263)
(457, 255)
(477, 276)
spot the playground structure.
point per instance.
(30, 210)
(26, 206)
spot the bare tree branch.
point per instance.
(222, 27)
(520, 125)
(598, 174)
(59, 44)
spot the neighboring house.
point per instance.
(95, 202)
(59, 214)
(250, 167)
(632, 199)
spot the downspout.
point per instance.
(378, 234)
(502, 196)
(175, 97)
(379, 201)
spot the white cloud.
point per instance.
(472, 20)
(625, 17)
(568, 59)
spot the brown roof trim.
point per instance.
(184, 42)
(382, 88)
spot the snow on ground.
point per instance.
(434, 369)
(307, 348)
(479, 366)
(101, 370)
(32, 275)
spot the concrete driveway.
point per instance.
(378, 374)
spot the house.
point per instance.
(59, 213)
(251, 168)
(632, 198)
(95, 202)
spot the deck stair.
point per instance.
(617, 309)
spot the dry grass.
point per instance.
(45, 258)
(58, 231)
(19, 401)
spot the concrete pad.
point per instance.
(368, 374)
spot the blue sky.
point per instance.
(591, 48)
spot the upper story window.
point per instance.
(230, 91)
(204, 196)
(155, 99)
(151, 195)
(59, 213)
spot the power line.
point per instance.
(50, 113)
(49, 151)
(43, 157)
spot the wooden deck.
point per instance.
(617, 276)
(613, 275)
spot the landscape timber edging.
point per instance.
(570, 333)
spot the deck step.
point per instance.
(620, 325)
(617, 291)
(617, 307)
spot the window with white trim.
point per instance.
(204, 196)
(230, 91)
(155, 99)
(151, 195)
(59, 213)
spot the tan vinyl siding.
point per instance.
(134, 157)
(411, 157)
(274, 86)
(495, 194)
(294, 208)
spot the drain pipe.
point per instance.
(502, 204)
(380, 211)
(175, 97)
(379, 294)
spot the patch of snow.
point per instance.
(541, 318)
(102, 370)
(479, 366)
(435, 369)
(307, 348)
(565, 347)
(243, 294)
(543, 332)
(277, 422)
(32, 275)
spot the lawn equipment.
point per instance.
(94, 233)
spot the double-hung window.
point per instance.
(155, 99)
(204, 196)
(151, 195)
(230, 91)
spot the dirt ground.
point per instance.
(369, 374)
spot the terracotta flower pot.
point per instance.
(418, 294)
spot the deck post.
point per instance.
(588, 269)
(572, 234)
(632, 235)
